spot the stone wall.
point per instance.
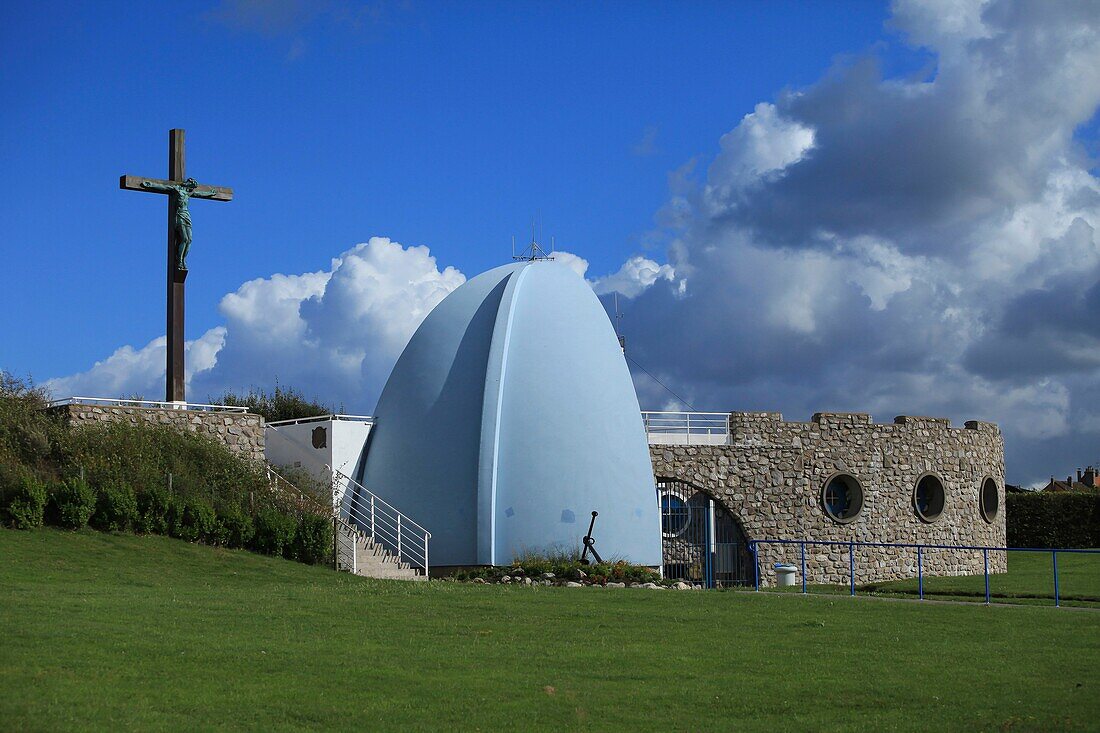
(772, 473)
(241, 432)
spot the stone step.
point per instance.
(373, 560)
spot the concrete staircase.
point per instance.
(371, 558)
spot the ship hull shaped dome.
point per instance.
(509, 418)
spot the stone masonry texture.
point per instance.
(771, 474)
(241, 432)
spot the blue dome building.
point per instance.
(510, 417)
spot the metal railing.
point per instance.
(321, 418)
(686, 428)
(94, 401)
(754, 547)
(378, 519)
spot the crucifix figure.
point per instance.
(180, 191)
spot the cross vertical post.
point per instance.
(173, 373)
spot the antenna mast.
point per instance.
(534, 250)
(619, 324)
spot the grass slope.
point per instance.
(124, 632)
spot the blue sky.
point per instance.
(445, 124)
(876, 207)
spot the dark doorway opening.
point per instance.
(701, 541)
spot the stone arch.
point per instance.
(703, 541)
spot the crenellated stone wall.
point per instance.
(241, 432)
(772, 474)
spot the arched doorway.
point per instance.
(701, 540)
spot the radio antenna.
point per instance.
(619, 324)
(534, 250)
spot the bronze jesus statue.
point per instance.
(182, 193)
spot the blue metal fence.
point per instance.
(754, 547)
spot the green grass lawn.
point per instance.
(121, 632)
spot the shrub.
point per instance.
(29, 437)
(74, 502)
(191, 519)
(234, 527)
(26, 504)
(313, 541)
(275, 532)
(1049, 519)
(116, 508)
(154, 509)
(565, 565)
(284, 403)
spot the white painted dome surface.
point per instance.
(510, 417)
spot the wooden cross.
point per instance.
(179, 189)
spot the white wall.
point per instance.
(347, 439)
(292, 445)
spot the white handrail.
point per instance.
(143, 403)
(388, 535)
(685, 428)
(399, 534)
(363, 489)
(321, 418)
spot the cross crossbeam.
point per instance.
(134, 183)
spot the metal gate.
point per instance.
(701, 541)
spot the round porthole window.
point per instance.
(989, 500)
(842, 498)
(928, 498)
(674, 515)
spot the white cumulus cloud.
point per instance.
(636, 276)
(130, 372)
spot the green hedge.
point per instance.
(1050, 519)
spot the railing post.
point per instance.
(399, 538)
(985, 564)
(755, 566)
(852, 566)
(920, 572)
(711, 545)
(1054, 557)
(426, 556)
(688, 441)
(803, 566)
(372, 533)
